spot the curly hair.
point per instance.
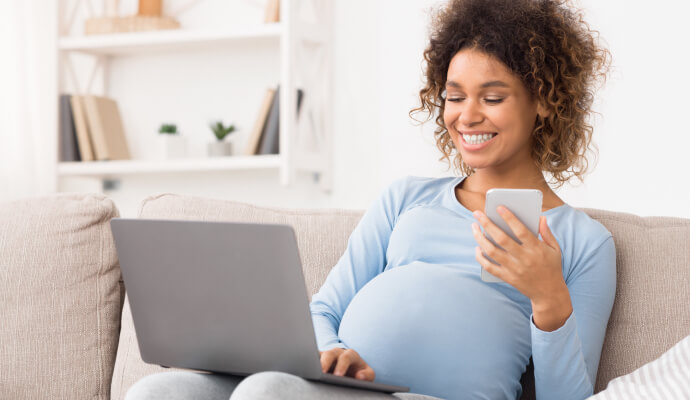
(553, 51)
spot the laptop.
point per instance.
(221, 297)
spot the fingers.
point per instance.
(345, 359)
(366, 374)
(495, 270)
(328, 357)
(518, 228)
(546, 234)
(496, 254)
(346, 362)
(496, 233)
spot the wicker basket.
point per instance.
(135, 23)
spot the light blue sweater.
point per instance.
(407, 296)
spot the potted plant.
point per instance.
(171, 143)
(219, 147)
(169, 129)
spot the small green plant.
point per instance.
(169, 129)
(220, 130)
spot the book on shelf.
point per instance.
(272, 11)
(82, 128)
(105, 128)
(270, 139)
(255, 135)
(69, 149)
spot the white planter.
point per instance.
(170, 146)
(219, 149)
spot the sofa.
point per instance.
(66, 330)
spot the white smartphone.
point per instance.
(525, 204)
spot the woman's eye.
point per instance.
(459, 99)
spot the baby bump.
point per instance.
(440, 330)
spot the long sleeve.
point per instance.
(566, 360)
(364, 258)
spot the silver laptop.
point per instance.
(221, 297)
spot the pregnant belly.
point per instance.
(439, 330)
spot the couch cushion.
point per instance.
(321, 237)
(652, 308)
(61, 297)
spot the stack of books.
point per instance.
(91, 129)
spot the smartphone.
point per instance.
(525, 204)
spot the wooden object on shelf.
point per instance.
(134, 23)
(272, 11)
(111, 8)
(255, 136)
(151, 8)
(82, 128)
(105, 128)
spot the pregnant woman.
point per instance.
(510, 84)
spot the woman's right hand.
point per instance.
(346, 362)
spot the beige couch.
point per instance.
(64, 333)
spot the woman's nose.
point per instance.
(470, 114)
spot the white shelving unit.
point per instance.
(304, 39)
(166, 40)
(113, 169)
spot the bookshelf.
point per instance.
(303, 43)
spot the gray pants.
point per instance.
(178, 385)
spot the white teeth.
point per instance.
(476, 139)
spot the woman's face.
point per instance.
(488, 112)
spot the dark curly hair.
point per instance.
(553, 51)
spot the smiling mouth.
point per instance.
(478, 138)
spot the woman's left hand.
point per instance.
(533, 267)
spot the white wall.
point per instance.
(642, 135)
